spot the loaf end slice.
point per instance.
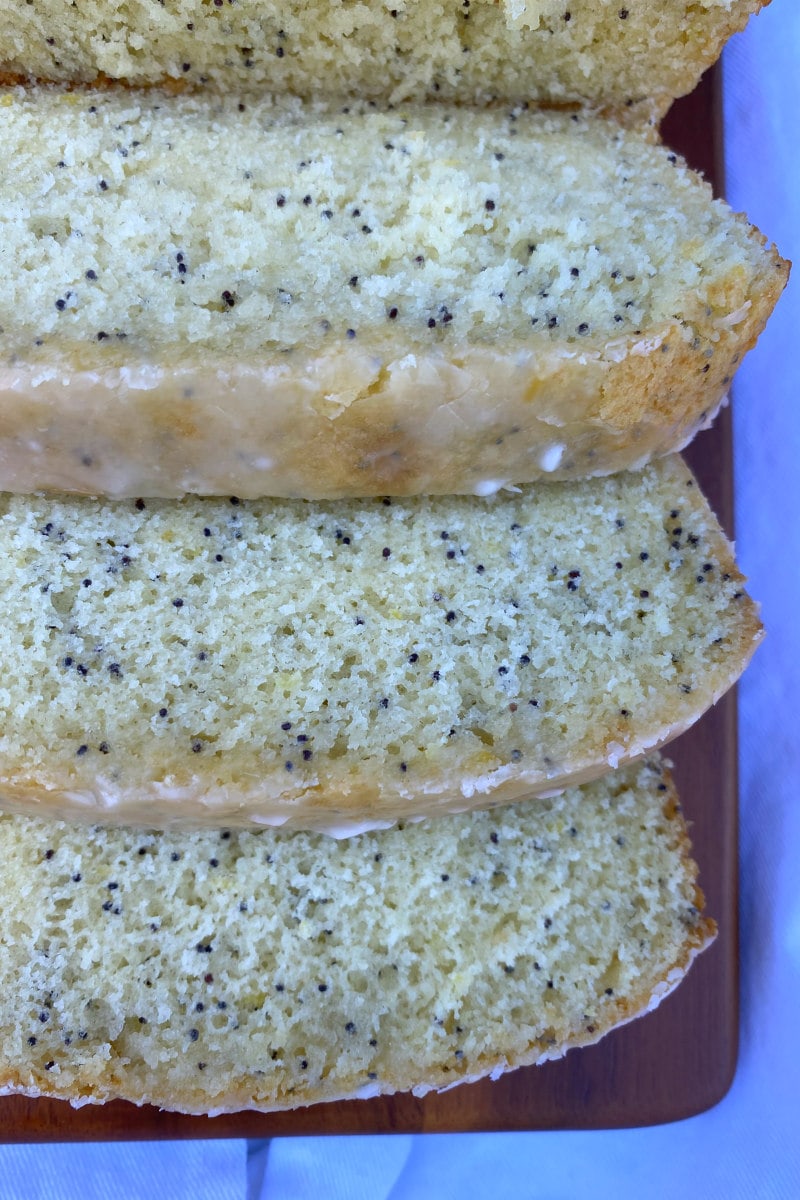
(213, 971)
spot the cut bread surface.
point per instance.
(342, 665)
(212, 971)
(354, 301)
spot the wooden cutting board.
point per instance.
(673, 1063)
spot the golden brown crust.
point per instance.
(99, 82)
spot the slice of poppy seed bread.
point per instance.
(595, 52)
(209, 296)
(342, 665)
(215, 971)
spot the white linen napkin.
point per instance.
(200, 1170)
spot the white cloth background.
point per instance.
(748, 1147)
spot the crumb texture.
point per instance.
(221, 970)
(485, 216)
(591, 51)
(216, 661)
